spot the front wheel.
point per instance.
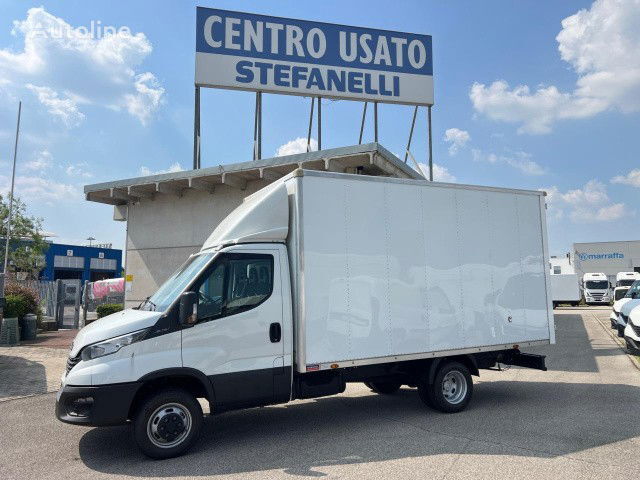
(451, 390)
(167, 423)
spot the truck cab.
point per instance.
(623, 281)
(596, 288)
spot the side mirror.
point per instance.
(188, 313)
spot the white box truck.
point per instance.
(565, 288)
(318, 280)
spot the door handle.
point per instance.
(275, 332)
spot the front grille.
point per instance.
(72, 362)
(636, 328)
(625, 318)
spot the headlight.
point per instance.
(112, 345)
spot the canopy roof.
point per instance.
(372, 158)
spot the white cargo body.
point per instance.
(565, 288)
(389, 269)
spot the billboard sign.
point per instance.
(280, 55)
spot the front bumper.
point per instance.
(633, 346)
(101, 405)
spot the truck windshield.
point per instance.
(176, 283)
(597, 284)
(634, 291)
(625, 283)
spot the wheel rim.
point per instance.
(454, 387)
(169, 425)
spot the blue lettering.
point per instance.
(355, 82)
(383, 91)
(245, 74)
(334, 82)
(315, 79)
(367, 85)
(298, 74)
(281, 75)
(264, 71)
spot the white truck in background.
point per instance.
(624, 280)
(596, 288)
(565, 288)
(315, 281)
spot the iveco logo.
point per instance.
(599, 256)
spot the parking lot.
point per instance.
(578, 420)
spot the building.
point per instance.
(65, 262)
(562, 264)
(607, 257)
(169, 216)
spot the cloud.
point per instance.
(589, 204)
(601, 44)
(146, 171)
(64, 109)
(30, 188)
(519, 160)
(299, 145)
(440, 173)
(68, 67)
(42, 161)
(632, 178)
(457, 139)
(78, 170)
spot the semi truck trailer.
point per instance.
(316, 281)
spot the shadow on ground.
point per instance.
(533, 419)
(20, 377)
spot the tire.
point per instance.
(451, 390)
(167, 412)
(384, 387)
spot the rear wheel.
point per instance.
(167, 423)
(385, 387)
(451, 390)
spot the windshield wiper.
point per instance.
(145, 301)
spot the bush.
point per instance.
(108, 309)
(29, 295)
(16, 306)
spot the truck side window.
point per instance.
(239, 282)
(210, 294)
(250, 281)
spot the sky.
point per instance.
(528, 94)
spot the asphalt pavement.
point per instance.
(578, 420)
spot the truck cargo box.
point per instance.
(390, 269)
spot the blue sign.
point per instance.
(272, 54)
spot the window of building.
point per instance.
(61, 261)
(103, 264)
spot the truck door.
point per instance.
(238, 338)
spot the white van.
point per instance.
(596, 288)
(623, 282)
(318, 280)
(630, 301)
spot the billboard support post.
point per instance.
(375, 122)
(259, 124)
(430, 146)
(364, 115)
(196, 130)
(413, 124)
(319, 123)
(313, 99)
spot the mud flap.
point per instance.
(526, 360)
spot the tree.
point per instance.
(27, 246)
